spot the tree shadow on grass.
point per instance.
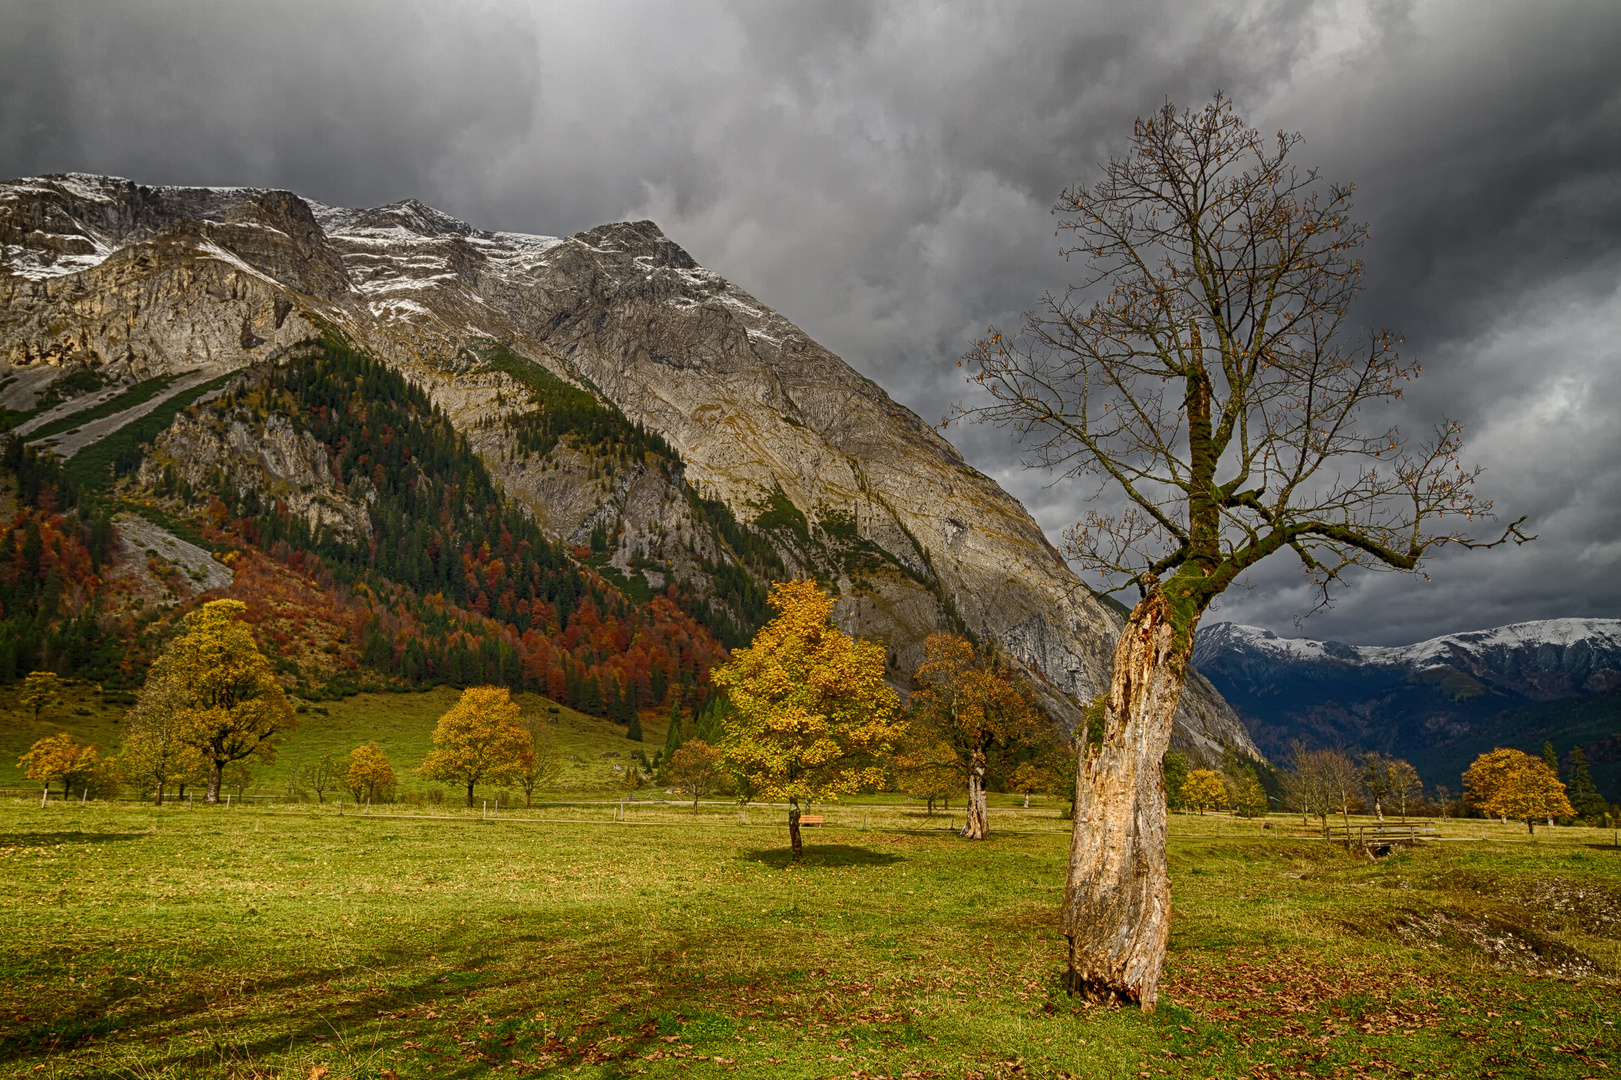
(824, 855)
(41, 839)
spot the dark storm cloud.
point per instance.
(881, 173)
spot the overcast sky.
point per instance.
(882, 175)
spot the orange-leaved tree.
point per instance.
(1513, 784)
(980, 707)
(230, 705)
(1207, 370)
(697, 767)
(370, 777)
(480, 740)
(811, 715)
(58, 758)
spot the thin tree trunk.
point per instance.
(1117, 899)
(160, 795)
(975, 826)
(1531, 826)
(794, 841)
(469, 796)
(1377, 811)
(213, 795)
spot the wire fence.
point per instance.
(883, 817)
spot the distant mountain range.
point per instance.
(1437, 703)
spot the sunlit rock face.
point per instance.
(135, 281)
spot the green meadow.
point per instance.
(401, 723)
(586, 939)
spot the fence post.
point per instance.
(484, 814)
(46, 794)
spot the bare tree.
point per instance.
(1377, 780)
(1405, 785)
(1320, 782)
(546, 764)
(1205, 370)
(322, 775)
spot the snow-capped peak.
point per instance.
(1602, 634)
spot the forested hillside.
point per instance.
(445, 581)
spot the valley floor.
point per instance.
(292, 942)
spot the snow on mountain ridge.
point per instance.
(1604, 633)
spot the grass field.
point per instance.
(401, 723)
(278, 943)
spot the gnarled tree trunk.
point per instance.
(794, 840)
(976, 826)
(1117, 899)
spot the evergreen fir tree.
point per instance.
(1549, 758)
(1583, 794)
(672, 737)
(634, 731)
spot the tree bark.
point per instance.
(976, 827)
(794, 840)
(214, 770)
(1117, 899)
(469, 796)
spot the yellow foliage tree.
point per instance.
(156, 752)
(697, 767)
(1204, 789)
(1513, 784)
(230, 705)
(370, 776)
(812, 717)
(41, 689)
(57, 758)
(980, 708)
(480, 740)
(926, 767)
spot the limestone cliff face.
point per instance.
(845, 482)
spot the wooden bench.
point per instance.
(809, 819)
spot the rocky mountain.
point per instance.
(1438, 702)
(637, 406)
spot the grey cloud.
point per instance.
(881, 173)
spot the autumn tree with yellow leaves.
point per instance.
(59, 759)
(980, 710)
(811, 716)
(1513, 784)
(369, 776)
(228, 702)
(156, 751)
(1204, 789)
(41, 690)
(481, 739)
